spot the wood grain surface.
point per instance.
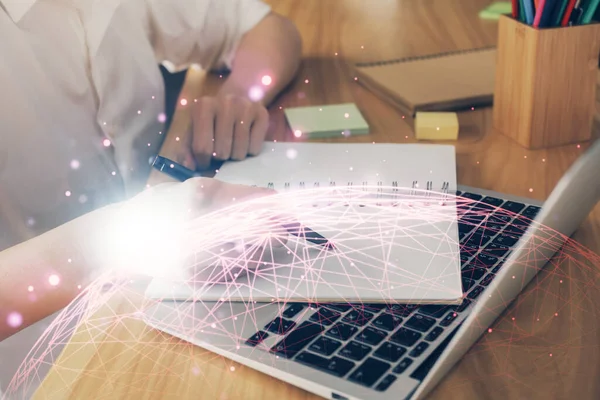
(544, 346)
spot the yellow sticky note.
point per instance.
(436, 126)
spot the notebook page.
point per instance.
(292, 163)
(401, 253)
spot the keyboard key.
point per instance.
(400, 368)
(497, 268)
(390, 352)
(435, 310)
(465, 303)
(342, 331)
(358, 317)
(386, 321)
(336, 366)
(355, 351)
(325, 346)
(434, 334)
(495, 250)
(420, 323)
(374, 308)
(472, 272)
(341, 307)
(419, 349)
(402, 310)
(449, 319)
(484, 260)
(280, 326)
(369, 372)
(493, 201)
(371, 336)
(517, 228)
(472, 196)
(531, 211)
(467, 284)
(405, 337)
(513, 206)
(489, 228)
(475, 240)
(325, 316)
(464, 258)
(486, 281)
(473, 294)
(298, 339)
(500, 218)
(385, 383)
(465, 228)
(257, 338)
(505, 240)
(293, 310)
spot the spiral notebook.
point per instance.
(385, 251)
(437, 82)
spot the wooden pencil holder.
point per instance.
(545, 88)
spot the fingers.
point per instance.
(203, 132)
(258, 131)
(230, 127)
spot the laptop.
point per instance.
(397, 351)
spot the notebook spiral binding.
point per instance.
(414, 189)
(423, 57)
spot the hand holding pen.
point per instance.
(181, 173)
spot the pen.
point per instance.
(587, 16)
(569, 10)
(181, 173)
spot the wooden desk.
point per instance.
(121, 358)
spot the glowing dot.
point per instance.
(177, 139)
(280, 107)
(513, 318)
(578, 146)
(362, 47)
(69, 260)
(113, 173)
(75, 164)
(336, 54)
(477, 162)
(355, 78)
(232, 368)
(106, 142)
(472, 108)
(291, 153)
(213, 325)
(139, 112)
(183, 102)
(297, 133)
(530, 190)
(513, 277)
(195, 100)
(561, 281)
(346, 115)
(346, 133)
(550, 354)
(68, 193)
(214, 154)
(148, 144)
(406, 137)
(30, 288)
(256, 93)
(437, 128)
(490, 330)
(306, 81)
(30, 222)
(351, 169)
(266, 80)
(14, 320)
(172, 165)
(53, 280)
(556, 314)
(162, 118)
(79, 287)
(403, 117)
(153, 97)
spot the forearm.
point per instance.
(43, 275)
(272, 48)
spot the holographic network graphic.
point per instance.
(229, 250)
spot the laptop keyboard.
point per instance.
(373, 344)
